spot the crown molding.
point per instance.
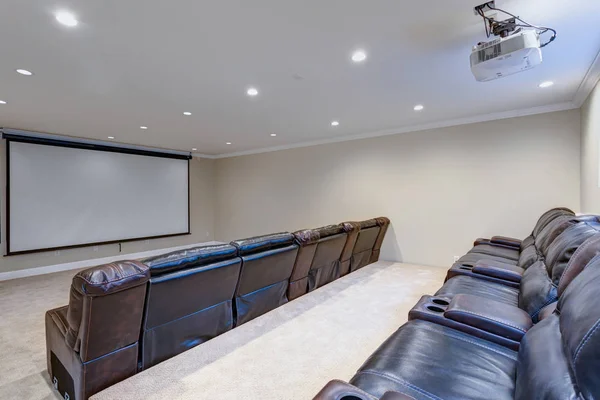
(589, 82)
(414, 128)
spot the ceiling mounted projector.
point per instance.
(517, 47)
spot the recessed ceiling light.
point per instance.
(273, 134)
(25, 72)
(334, 123)
(546, 84)
(228, 143)
(66, 18)
(252, 91)
(111, 137)
(419, 107)
(187, 113)
(194, 149)
(143, 127)
(2, 102)
(359, 56)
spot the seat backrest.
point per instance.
(559, 357)
(384, 223)
(325, 267)
(267, 264)
(548, 216)
(307, 240)
(105, 308)
(540, 281)
(189, 299)
(365, 243)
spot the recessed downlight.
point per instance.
(419, 107)
(25, 72)
(66, 18)
(335, 123)
(359, 56)
(111, 137)
(143, 127)
(252, 91)
(187, 113)
(546, 84)
(194, 149)
(2, 102)
(227, 142)
(273, 134)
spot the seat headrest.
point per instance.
(188, 258)
(579, 260)
(305, 237)
(263, 243)
(383, 221)
(330, 230)
(110, 278)
(580, 328)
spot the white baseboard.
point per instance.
(23, 273)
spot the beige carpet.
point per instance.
(289, 353)
(23, 303)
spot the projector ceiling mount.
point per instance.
(517, 45)
(506, 27)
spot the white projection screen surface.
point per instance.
(62, 197)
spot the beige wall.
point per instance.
(202, 224)
(441, 188)
(590, 142)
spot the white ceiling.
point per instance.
(137, 62)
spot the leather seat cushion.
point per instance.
(468, 285)
(496, 251)
(429, 361)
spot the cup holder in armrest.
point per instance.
(435, 309)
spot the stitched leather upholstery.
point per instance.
(94, 340)
(267, 264)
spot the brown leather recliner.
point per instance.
(368, 244)
(267, 263)
(189, 300)
(324, 256)
(92, 343)
(307, 240)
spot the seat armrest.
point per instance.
(489, 315)
(479, 241)
(507, 241)
(507, 272)
(338, 390)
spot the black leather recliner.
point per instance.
(510, 248)
(267, 263)
(530, 248)
(531, 289)
(559, 358)
(189, 300)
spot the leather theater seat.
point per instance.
(92, 342)
(558, 358)
(189, 300)
(537, 286)
(267, 264)
(368, 244)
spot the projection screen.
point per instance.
(62, 197)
